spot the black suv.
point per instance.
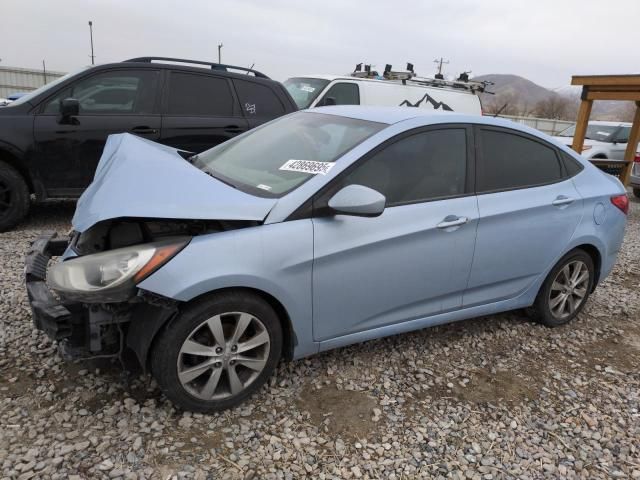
(51, 140)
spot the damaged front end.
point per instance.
(144, 206)
(89, 300)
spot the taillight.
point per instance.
(636, 159)
(622, 202)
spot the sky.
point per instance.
(545, 41)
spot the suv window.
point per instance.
(424, 166)
(343, 93)
(114, 92)
(509, 160)
(623, 135)
(193, 94)
(258, 100)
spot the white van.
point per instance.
(320, 90)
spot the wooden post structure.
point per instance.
(609, 87)
(632, 146)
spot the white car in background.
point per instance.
(603, 140)
(635, 175)
(606, 140)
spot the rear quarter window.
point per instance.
(258, 100)
(571, 165)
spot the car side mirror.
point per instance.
(359, 201)
(329, 101)
(69, 108)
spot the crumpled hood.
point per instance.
(140, 178)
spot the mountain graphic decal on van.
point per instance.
(436, 105)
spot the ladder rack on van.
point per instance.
(409, 77)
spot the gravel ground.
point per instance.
(494, 397)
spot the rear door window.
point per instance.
(343, 94)
(193, 94)
(510, 161)
(258, 100)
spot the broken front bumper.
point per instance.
(86, 330)
(49, 313)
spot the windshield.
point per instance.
(305, 90)
(277, 157)
(38, 91)
(602, 133)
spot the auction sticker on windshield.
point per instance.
(307, 166)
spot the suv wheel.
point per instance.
(14, 197)
(565, 290)
(217, 352)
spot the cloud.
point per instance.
(545, 41)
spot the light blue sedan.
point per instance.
(314, 231)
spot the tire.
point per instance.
(636, 192)
(205, 381)
(14, 197)
(553, 314)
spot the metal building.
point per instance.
(16, 80)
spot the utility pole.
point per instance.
(91, 36)
(440, 63)
(220, 45)
(44, 72)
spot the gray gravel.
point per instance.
(494, 397)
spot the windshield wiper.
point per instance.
(227, 182)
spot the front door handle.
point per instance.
(144, 130)
(452, 221)
(562, 200)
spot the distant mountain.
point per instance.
(524, 97)
(516, 86)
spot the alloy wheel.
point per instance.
(223, 355)
(569, 289)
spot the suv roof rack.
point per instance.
(213, 66)
(409, 76)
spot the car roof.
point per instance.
(186, 67)
(609, 124)
(391, 115)
(423, 117)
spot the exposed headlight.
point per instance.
(110, 276)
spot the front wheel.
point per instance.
(14, 197)
(217, 352)
(565, 290)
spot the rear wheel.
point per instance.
(565, 290)
(14, 197)
(217, 352)
(636, 192)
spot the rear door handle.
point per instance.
(452, 221)
(562, 200)
(144, 130)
